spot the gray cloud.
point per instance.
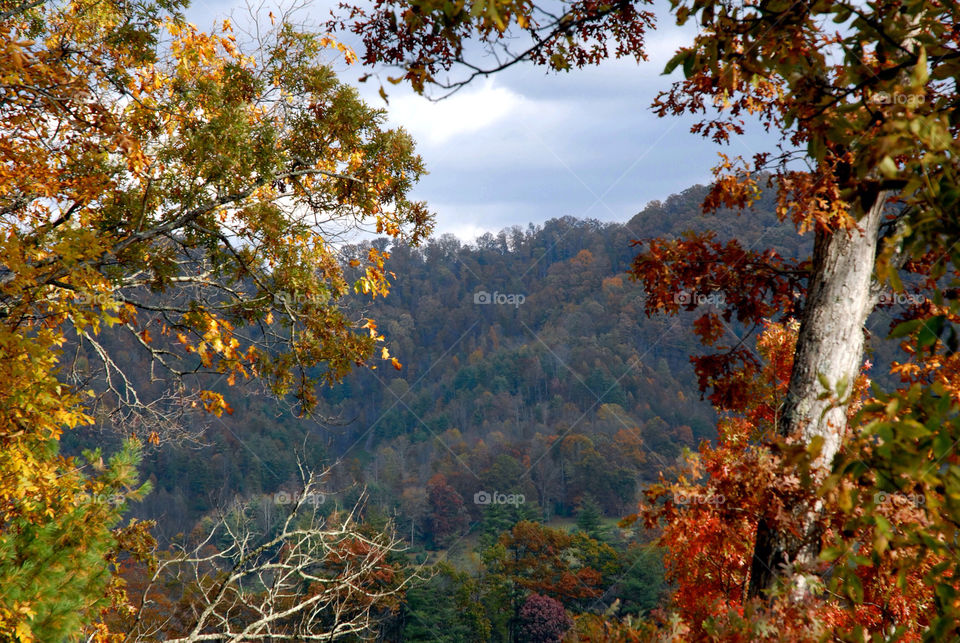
(526, 146)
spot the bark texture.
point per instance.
(841, 295)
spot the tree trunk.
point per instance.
(840, 296)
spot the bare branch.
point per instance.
(20, 9)
(316, 579)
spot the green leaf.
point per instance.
(842, 385)
(830, 554)
(824, 382)
(906, 328)
(678, 58)
(942, 445)
(911, 429)
(816, 444)
(883, 525)
(854, 589)
(920, 74)
(688, 63)
(930, 332)
(888, 167)
(816, 148)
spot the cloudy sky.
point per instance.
(526, 146)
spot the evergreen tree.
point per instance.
(445, 608)
(642, 586)
(55, 574)
(590, 518)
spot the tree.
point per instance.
(182, 190)
(869, 106)
(568, 567)
(314, 579)
(57, 574)
(448, 515)
(215, 177)
(543, 620)
(498, 518)
(590, 517)
(427, 39)
(641, 588)
(871, 129)
(446, 608)
(711, 508)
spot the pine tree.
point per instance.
(590, 518)
(56, 572)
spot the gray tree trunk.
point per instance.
(840, 296)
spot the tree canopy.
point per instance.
(189, 190)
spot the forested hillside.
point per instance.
(557, 402)
(247, 393)
(484, 389)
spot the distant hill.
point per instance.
(529, 367)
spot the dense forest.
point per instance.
(484, 390)
(249, 393)
(571, 399)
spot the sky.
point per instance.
(527, 145)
